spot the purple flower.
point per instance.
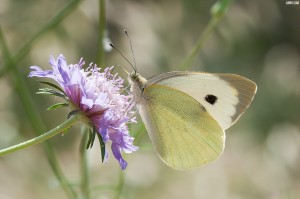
(97, 95)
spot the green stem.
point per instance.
(85, 177)
(120, 185)
(217, 10)
(199, 44)
(104, 187)
(64, 126)
(54, 21)
(102, 27)
(34, 117)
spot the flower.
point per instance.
(97, 95)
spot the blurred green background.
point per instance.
(256, 39)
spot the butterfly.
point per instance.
(186, 113)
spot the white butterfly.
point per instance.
(186, 113)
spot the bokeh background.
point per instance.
(256, 39)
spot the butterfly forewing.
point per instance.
(224, 96)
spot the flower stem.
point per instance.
(120, 185)
(217, 11)
(199, 44)
(102, 28)
(85, 177)
(64, 126)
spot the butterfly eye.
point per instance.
(212, 99)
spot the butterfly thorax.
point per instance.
(137, 86)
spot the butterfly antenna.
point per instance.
(131, 49)
(123, 69)
(111, 45)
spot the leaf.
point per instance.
(74, 112)
(47, 91)
(53, 85)
(89, 139)
(102, 145)
(58, 105)
(92, 135)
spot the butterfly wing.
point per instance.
(224, 96)
(182, 131)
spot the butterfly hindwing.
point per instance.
(184, 133)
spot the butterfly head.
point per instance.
(136, 78)
(137, 86)
(133, 76)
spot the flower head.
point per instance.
(97, 95)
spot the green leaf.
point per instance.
(92, 135)
(47, 91)
(89, 139)
(53, 85)
(74, 112)
(102, 145)
(58, 105)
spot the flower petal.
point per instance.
(38, 72)
(117, 153)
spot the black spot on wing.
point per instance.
(212, 99)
